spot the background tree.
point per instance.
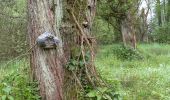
(143, 23)
(158, 10)
(168, 11)
(123, 15)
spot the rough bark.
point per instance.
(128, 32)
(46, 64)
(90, 15)
(77, 25)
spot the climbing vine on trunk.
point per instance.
(79, 45)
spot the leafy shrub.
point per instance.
(126, 53)
(16, 86)
(103, 93)
(161, 34)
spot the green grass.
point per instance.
(8, 67)
(134, 79)
(144, 79)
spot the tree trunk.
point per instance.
(144, 25)
(128, 35)
(164, 11)
(77, 25)
(124, 32)
(159, 14)
(168, 11)
(46, 63)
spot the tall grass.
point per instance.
(134, 79)
(8, 67)
(142, 79)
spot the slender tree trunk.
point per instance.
(168, 11)
(144, 25)
(46, 64)
(159, 14)
(164, 11)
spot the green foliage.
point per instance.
(76, 63)
(18, 87)
(103, 93)
(161, 34)
(6, 89)
(126, 53)
(104, 32)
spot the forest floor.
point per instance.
(137, 79)
(136, 75)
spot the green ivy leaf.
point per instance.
(99, 97)
(107, 97)
(91, 93)
(7, 89)
(103, 89)
(4, 97)
(10, 98)
(81, 63)
(74, 62)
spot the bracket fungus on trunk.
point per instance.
(47, 41)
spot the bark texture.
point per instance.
(128, 32)
(46, 64)
(76, 28)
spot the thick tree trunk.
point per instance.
(124, 32)
(128, 35)
(77, 25)
(46, 64)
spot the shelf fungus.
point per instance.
(47, 41)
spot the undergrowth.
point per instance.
(126, 53)
(136, 79)
(142, 74)
(15, 83)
